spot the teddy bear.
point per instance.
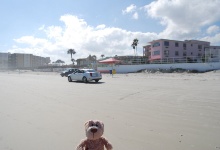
(94, 140)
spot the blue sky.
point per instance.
(94, 27)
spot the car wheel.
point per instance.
(96, 81)
(69, 79)
(84, 79)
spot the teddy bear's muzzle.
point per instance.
(93, 130)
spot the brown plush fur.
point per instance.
(94, 141)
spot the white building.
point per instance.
(3, 60)
(22, 61)
(27, 60)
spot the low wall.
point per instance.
(50, 70)
(136, 68)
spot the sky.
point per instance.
(48, 28)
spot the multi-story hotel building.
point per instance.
(22, 61)
(164, 50)
(4, 60)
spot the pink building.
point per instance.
(164, 50)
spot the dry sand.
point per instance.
(42, 111)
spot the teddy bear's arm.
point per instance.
(108, 145)
(81, 145)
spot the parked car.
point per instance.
(85, 75)
(68, 71)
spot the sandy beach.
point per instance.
(141, 111)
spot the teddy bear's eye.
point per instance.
(97, 125)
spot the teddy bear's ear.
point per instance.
(88, 122)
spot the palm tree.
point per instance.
(71, 52)
(102, 56)
(73, 60)
(94, 57)
(134, 45)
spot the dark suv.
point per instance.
(68, 71)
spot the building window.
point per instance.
(176, 44)
(166, 43)
(176, 53)
(184, 53)
(166, 53)
(156, 53)
(156, 44)
(191, 53)
(184, 45)
(199, 46)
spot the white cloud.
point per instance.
(184, 18)
(135, 15)
(215, 40)
(54, 32)
(42, 27)
(31, 41)
(129, 9)
(101, 26)
(213, 29)
(85, 39)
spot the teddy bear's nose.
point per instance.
(93, 130)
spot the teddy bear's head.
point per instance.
(94, 129)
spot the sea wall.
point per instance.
(136, 68)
